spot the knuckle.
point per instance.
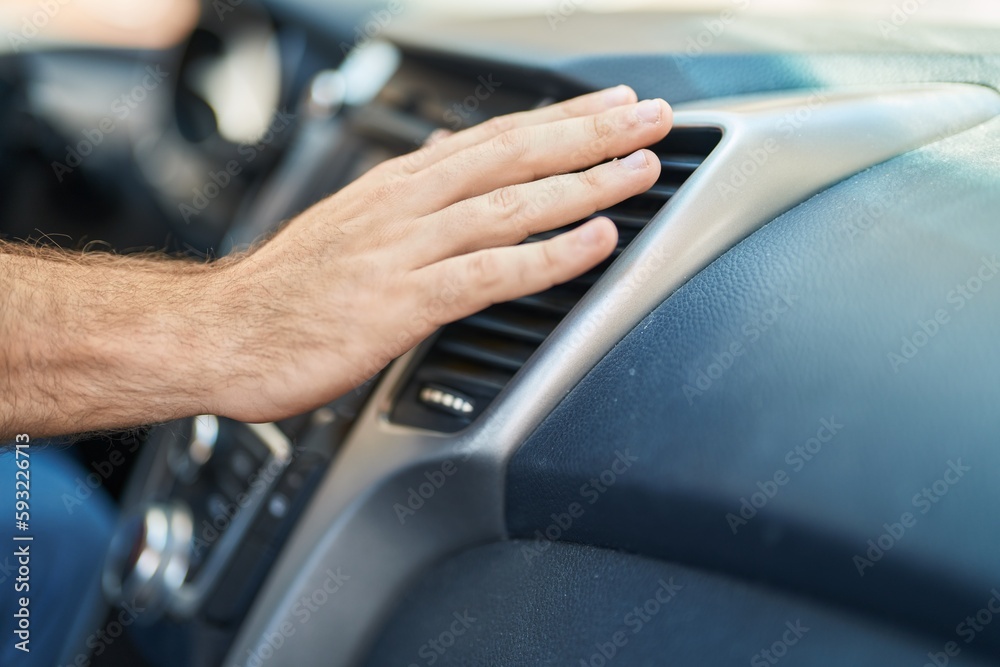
(411, 162)
(548, 260)
(499, 125)
(484, 270)
(592, 181)
(505, 202)
(510, 146)
(601, 128)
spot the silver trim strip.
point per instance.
(354, 524)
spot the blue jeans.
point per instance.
(71, 525)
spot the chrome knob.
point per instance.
(148, 559)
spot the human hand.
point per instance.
(423, 240)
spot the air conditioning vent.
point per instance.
(471, 361)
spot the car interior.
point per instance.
(763, 431)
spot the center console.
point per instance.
(209, 508)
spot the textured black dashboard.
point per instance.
(817, 409)
(576, 605)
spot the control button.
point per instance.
(242, 464)
(278, 506)
(447, 400)
(149, 557)
(293, 480)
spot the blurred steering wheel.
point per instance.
(224, 120)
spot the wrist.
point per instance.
(153, 329)
(204, 335)
(227, 363)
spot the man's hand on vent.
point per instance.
(431, 237)
(344, 288)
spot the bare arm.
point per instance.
(97, 341)
(108, 342)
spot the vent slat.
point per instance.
(683, 163)
(490, 350)
(453, 370)
(557, 301)
(627, 219)
(661, 192)
(625, 234)
(477, 356)
(550, 234)
(521, 326)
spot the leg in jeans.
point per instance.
(71, 524)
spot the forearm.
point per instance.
(98, 341)
(94, 342)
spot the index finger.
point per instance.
(445, 146)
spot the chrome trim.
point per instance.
(161, 565)
(352, 524)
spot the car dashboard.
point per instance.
(766, 426)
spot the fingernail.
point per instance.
(590, 234)
(436, 136)
(618, 94)
(636, 160)
(649, 111)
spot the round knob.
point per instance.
(149, 557)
